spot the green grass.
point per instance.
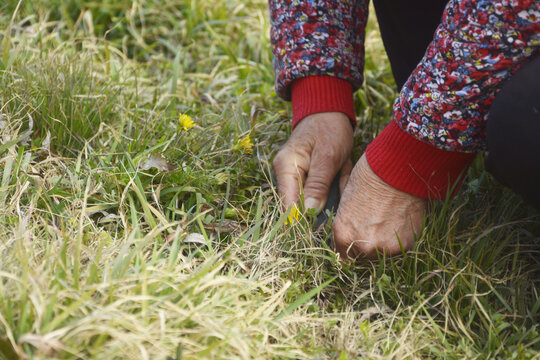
(100, 258)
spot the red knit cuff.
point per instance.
(317, 94)
(417, 168)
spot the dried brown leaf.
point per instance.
(156, 162)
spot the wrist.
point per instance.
(327, 122)
(417, 168)
(319, 94)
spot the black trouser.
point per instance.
(513, 132)
(513, 126)
(407, 28)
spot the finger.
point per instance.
(341, 241)
(289, 175)
(322, 171)
(345, 174)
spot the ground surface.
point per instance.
(125, 236)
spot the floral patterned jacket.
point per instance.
(477, 46)
(440, 115)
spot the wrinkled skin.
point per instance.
(372, 215)
(318, 148)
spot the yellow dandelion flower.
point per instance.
(245, 144)
(293, 216)
(186, 121)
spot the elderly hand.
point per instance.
(318, 148)
(372, 216)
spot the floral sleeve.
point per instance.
(317, 38)
(478, 46)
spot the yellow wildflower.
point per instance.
(245, 144)
(186, 122)
(294, 215)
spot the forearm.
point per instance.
(443, 106)
(477, 47)
(322, 38)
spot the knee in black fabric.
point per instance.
(513, 133)
(407, 28)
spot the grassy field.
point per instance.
(126, 233)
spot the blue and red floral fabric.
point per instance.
(478, 45)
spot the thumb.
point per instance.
(290, 174)
(319, 178)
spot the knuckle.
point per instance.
(331, 154)
(366, 248)
(350, 246)
(279, 160)
(342, 241)
(316, 183)
(341, 237)
(328, 158)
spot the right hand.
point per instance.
(375, 218)
(319, 147)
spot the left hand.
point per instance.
(373, 215)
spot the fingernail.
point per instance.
(312, 203)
